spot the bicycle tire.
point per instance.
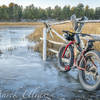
(60, 63)
(83, 82)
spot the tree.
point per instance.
(4, 12)
(97, 13)
(66, 12)
(79, 10)
(16, 13)
(49, 12)
(57, 12)
(11, 10)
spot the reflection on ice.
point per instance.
(13, 37)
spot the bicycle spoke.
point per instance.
(92, 73)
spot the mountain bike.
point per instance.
(87, 60)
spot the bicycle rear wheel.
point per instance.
(68, 59)
(90, 78)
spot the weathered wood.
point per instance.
(54, 42)
(44, 44)
(62, 22)
(88, 21)
(59, 35)
(52, 50)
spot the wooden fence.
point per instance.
(49, 29)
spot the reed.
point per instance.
(19, 23)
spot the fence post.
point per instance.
(44, 44)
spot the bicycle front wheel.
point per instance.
(90, 78)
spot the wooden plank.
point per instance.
(90, 21)
(44, 44)
(59, 35)
(52, 50)
(67, 21)
(54, 42)
(62, 22)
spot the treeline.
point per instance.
(15, 12)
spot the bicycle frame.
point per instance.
(75, 60)
(70, 43)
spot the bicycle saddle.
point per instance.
(68, 32)
(68, 35)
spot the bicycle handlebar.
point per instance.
(95, 38)
(82, 34)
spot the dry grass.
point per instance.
(93, 28)
(19, 23)
(89, 28)
(35, 36)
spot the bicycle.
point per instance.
(87, 60)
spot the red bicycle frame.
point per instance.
(70, 43)
(75, 60)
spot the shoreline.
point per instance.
(20, 23)
(35, 36)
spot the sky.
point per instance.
(52, 3)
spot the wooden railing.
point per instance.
(50, 30)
